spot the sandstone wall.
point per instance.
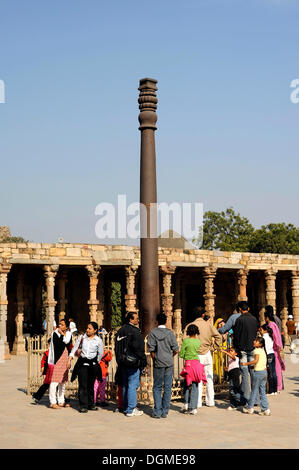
(80, 254)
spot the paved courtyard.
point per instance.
(27, 426)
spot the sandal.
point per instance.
(54, 406)
(64, 405)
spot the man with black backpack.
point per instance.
(131, 359)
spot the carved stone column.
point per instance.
(167, 296)
(4, 347)
(50, 272)
(209, 276)
(130, 296)
(261, 298)
(62, 301)
(177, 316)
(270, 277)
(93, 273)
(295, 295)
(101, 298)
(19, 342)
(283, 303)
(242, 275)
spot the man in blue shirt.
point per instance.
(231, 321)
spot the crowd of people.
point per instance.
(255, 362)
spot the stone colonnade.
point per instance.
(170, 295)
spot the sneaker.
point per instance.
(231, 408)
(265, 413)
(185, 407)
(155, 416)
(249, 411)
(135, 412)
(193, 412)
(164, 416)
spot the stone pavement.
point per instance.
(27, 426)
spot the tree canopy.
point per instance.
(275, 238)
(229, 231)
(14, 240)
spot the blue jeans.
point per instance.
(246, 356)
(131, 381)
(191, 395)
(162, 379)
(235, 397)
(259, 389)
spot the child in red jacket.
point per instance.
(100, 387)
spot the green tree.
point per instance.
(225, 231)
(276, 238)
(116, 319)
(14, 240)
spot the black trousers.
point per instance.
(41, 391)
(86, 379)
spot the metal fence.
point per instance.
(37, 345)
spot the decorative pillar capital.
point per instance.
(270, 274)
(5, 267)
(147, 103)
(243, 272)
(131, 270)
(210, 271)
(51, 270)
(168, 269)
(93, 270)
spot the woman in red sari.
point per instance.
(277, 345)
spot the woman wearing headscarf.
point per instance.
(218, 356)
(57, 371)
(277, 345)
(89, 350)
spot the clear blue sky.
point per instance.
(228, 134)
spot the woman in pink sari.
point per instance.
(277, 345)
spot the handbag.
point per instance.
(79, 350)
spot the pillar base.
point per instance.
(19, 348)
(4, 352)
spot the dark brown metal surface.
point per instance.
(150, 299)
